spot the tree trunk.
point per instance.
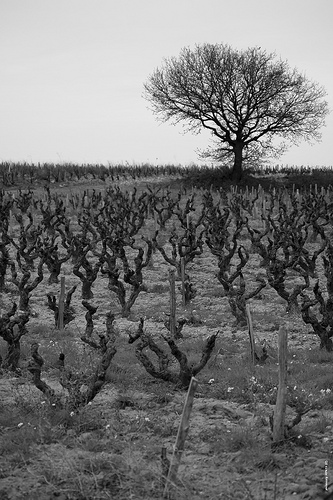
(87, 293)
(325, 339)
(54, 269)
(24, 300)
(12, 356)
(238, 161)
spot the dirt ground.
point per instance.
(134, 423)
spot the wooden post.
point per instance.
(280, 406)
(61, 304)
(182, 270)
(155, 222)
(251, 334)
(187, 221)
(181, 436)
(165, 466)
(255, 211)
(172, 303)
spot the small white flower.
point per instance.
(72, 414)
(53, 404)
(147, 419)
(230, 389)
(328, 391)
(229, 369)
(20, 425)
(211, 381)
(295, 387)
(107, 426)
(89, 404)
(43, 402)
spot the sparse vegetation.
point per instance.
(104, 440)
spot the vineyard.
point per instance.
(117, 285)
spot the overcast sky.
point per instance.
(72, 72)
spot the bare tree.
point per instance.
(247, 99)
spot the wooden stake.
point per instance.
(255, 211)
(181, 436)
(251, 334)
(165, 466)
(182, 270)
(61, 304)
(172, 303)
(155, 222)
(280, 406)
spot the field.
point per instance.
(265, 244)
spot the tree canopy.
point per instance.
(247, 99)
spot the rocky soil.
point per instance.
(136, 422)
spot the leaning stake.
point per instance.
(172, 303)
(61, 304)
(181, 436)
(251, 334)
(280, 406)
(182, 270)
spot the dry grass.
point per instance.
(111, 448)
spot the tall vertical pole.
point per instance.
(280, 406)
(172, 303)
(61, 304)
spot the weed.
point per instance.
(320, 356)
(320, 426)
(159, 288)
(235, 381)
(230, 440)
